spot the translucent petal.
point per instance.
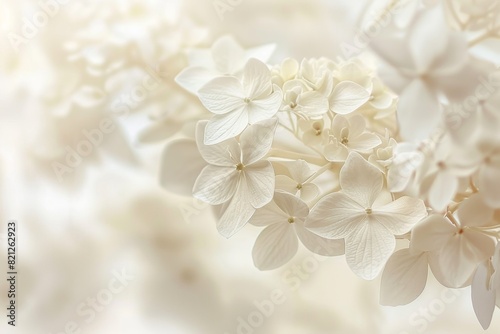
(431, 234)
(360, 180)
(256, 79)
(274, 246)
(483, 298)
(347, 96)
(368, 248)
(223, 127)
(180, 165)
(335, 216)
(319, 245)
(222, 95)
(400, 215)
(226, 153)
(258, 183)
(236, 215)
(256, 140)
(264, 108)
(404, 278)
(216, 185)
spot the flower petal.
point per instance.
(222, 95)
(474, 212)
(335, 216)
(269, 214)
(216, 185)
(258, 182)
(442, 190)
(291, 205)
(319, 245)
(256, 140)
(180, 166)
(431, 233)
(226, 153)
(275, 246)
(360, 180)
(223, 127)
(368, 248)
(236, 215)
(404, 278)
(400, 215)
(265, 108)
(256, 79)
(195, 77)
(483, 298)
(347, 96)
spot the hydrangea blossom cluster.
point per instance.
(302, 149)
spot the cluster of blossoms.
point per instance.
(313, 151)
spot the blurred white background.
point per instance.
(65, 66)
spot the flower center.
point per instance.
(291, 220)
(246, 100)
(441, 165)
(299, 186)
(345, 140)
(369, 211)
(293, 105)
(239, 167)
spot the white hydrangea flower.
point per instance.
(363, 215)
(299, 182)
(237, 103)
(284, 219)
(457, 241)
(349, 134)
(237, 174)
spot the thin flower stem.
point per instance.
(454, 13)
(290, 155)
(473, 186)
(319, 172)
(450, 216)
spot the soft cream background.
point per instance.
(110, 212)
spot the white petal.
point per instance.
(193, 78)
(474, 212)
(237, 214)
(257, 79)
(222, 95)
(291, 205)
(269, 214)
(360, 180)
(418, 111)
(258, 182)
(431, 234)
(443, 189)
(483, 298)
(400, 215)
(181, 163)
(262, 52)
(347, 96)
(256, 140)
(226, 53)
(319, 245)
(309, 192)
(285, 183)
(429, 28)
(313, 104)
(216, 185)
(461, 255)
(489, 183)
(265, 108)
(335, 216)
(368, 248)
(364, 142)
(274, 246)
(404, 278)
(226, 153)
(223, 127)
